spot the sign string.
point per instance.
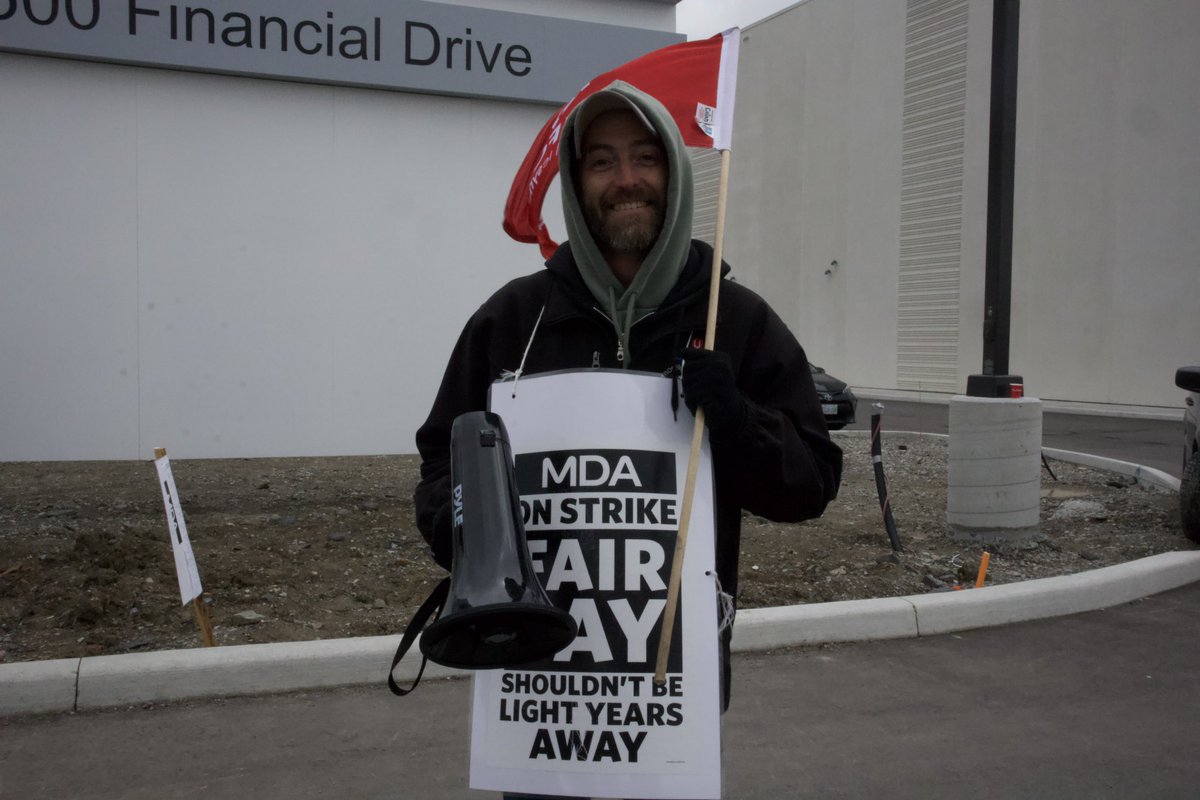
(724, 604)
(507, 375)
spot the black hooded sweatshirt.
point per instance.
(781, 465)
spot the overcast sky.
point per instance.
(700, 19)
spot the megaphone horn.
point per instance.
(497, 613)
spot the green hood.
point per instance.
(664, 263)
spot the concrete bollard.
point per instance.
(994, 476)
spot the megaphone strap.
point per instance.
(430, 608)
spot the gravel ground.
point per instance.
(312, 548)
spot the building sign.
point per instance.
(398, 44)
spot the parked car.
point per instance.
(837, 401)
(1189, 486)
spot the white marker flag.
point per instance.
(185, 562)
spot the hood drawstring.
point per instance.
(628, 326)
(612, 315)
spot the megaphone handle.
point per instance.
(430, 608)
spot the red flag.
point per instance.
(694, 80)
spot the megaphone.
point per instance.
(497, 613)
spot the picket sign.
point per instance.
(190, 590)
(600, 464)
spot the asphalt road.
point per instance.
(1097, 705)
(1153, 443)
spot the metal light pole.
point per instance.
(993, 484)
(995, 381)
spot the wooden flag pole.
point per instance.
(689, 486)
(203, 622)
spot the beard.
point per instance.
(634, 235)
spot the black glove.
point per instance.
(441, 542)
(708, 382)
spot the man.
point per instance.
(630, 290)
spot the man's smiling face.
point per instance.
(623, 183)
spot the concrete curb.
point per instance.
(85, 684)
(946, 612)
(106, 681)
(33, 687)
(174, 675)
(1054, 597)
(1167, 413)
(1140, 473)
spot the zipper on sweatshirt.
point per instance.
(617, 331)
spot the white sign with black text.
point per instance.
(600, 463)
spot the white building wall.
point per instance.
(238, 267)
(1106, 266)
(1105, 277)
(815, 177)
